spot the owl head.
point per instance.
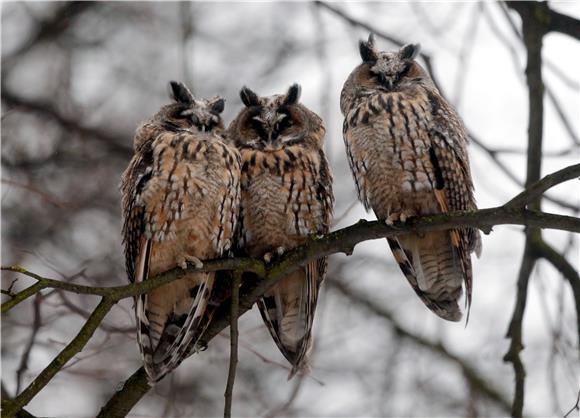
(387, 71)
(274, 122)
(190, 113)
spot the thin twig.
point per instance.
(36, 324)
(234, 313)
(576, 407)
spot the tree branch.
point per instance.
(537, 189)
(235, 304)
(564, 24)
(534, 27)
(343, 240)
(11, 408)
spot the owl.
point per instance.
(407, 150)
(286, 196)
(180, 203)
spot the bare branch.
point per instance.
(533, 30)
(564, 24)
(11, 408)
(235, 304)
(537, 189)
(576, 406)
(36, 324)
(343, 240)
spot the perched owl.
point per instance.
(180, 203)
(286, 191)
(407, 151)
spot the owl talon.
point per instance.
(280, 250)
(196, 261)
(268, 257)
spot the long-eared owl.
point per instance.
(286, 196)
(180, 203)
(406, 147)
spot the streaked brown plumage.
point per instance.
(407, 151)
(180, 203)
(286, 196)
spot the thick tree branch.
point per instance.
(343, 240)
(564, 24)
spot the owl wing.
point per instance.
(356, 160)
(454, 192)
(134, 179)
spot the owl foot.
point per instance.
(401, 216)
(270, 255)
(194, 260)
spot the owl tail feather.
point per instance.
(171, 321)
(288, 311)
(432, 265)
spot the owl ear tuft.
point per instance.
(180, 93)
(409, 51)
(218, 105)
(293, 94)
(249, 98)
(367, 49)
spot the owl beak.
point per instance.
(386, 81)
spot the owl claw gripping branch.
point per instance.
(406, 147)
(180, 204)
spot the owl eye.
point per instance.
(405, 71)
(284, 123)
